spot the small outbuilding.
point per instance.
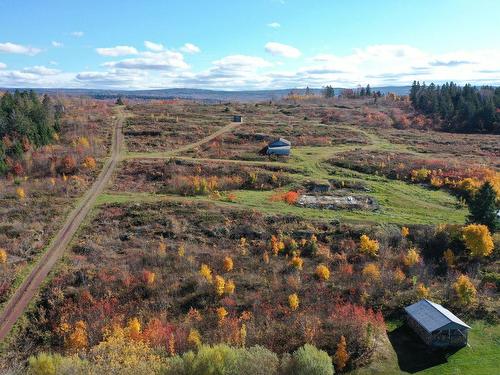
(278, 147)
(237, 118)
(437, 327)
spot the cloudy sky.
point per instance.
(239, 44)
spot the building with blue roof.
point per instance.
(280, 146)
(437, 326)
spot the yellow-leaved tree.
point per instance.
(3, 256)
(322, 272)
(228, 264)
(465, 290)
(229, 287)
(478, 240)
(206, 272)
(412, 257)
(134, 328)
(293, 301)
(219, 284)
(368, 245)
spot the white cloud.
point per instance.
(116, 78)
(190, 48)
(117, 51)
(378, 65)
(19, 49)
(2, 65)
(241, 63)
(155, 47)
(57, 44)
(279, 49)
(41, 70)
(77, 34)
(166, 60)
(274, 25)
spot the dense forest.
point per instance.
(25, 120)
(459, 109)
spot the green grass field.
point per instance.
(481, 357)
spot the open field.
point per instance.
(192, 192)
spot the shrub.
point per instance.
(194, 338)
(368, 245)
(134, 328)
(43, 364)
(322, 272)
(422, 291)
(405, 231)
(308, 360)
(21, 194)
(148, 277)
(341, 355)
(78, 340)
(465, 290)
(222, 359)
(412, 257)
(219, 284)
(68, 164)
(89, 162)
(206, 272)
(371, 272)
(293, 301)
(229, 287)
(221, 314)
(297, 262)
(290, 197)
(449, 258)
(228, 264)
(478, 240)
(3, 256)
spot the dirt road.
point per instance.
(23, 295)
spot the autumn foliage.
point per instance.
(478, 240)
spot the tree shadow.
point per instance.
(413, 354)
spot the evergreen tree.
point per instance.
(482, 207)
(328, 92)
(24, 117)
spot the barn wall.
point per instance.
(420, 331)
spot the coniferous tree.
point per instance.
(329, 92)
(463, 109)
(482, 207)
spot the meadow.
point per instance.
(200, 240)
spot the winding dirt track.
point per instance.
(19, 301)
(23, 295)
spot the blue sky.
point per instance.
(240, 44)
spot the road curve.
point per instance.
(25, 292)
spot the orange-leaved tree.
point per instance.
(341, 355)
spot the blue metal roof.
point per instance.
(280, 143)
(432, 316)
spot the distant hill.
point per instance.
(198, 94)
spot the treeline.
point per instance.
(25, 121)
(459, 109)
